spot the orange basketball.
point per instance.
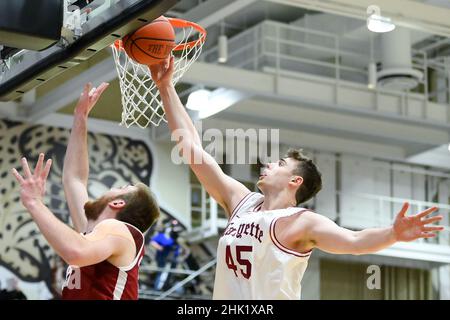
(152, 43)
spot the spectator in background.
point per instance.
(12, 291)
(167, 251)
(2, 292)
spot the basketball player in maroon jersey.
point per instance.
(106, 247)
(265, 248)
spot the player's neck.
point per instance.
(106, 214)
(277, 201)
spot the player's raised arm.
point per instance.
(76, 163)
(329, 237)
(109, 238)
(224, 189)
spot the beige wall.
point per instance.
(348, 281)
(171, 183)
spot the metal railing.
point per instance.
(384, 209)
(274, 45)
(188, 279)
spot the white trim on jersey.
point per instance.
(280, 246)
(120, 285)
(138, 254)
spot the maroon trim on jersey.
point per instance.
(280, 246)
(240, 204)
(137, 236)
(258, 207)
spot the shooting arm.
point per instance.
(225, 190)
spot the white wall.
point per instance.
(361, 175)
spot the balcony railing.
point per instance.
(277, 47)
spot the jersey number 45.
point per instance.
(245, 266)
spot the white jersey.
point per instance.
(251, 263)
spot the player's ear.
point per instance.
(117, 204)
(296, 181)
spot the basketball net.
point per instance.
(140, 97)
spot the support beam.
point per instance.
(297, 116)
(315, 141)
(211, 12)
(436, 157)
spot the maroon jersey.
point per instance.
(104, 281)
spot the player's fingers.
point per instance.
(46, 171)
(427, 235)
(171, 64)
(17, 176)
(404, 209)
(427, 229)
(86, 89)
(426, 212)
(26, 168)
(431, 220)
(38, 168)
(102, 88)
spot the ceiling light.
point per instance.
(222, 49)
(198, 100)
(380, 24)
(372, 76)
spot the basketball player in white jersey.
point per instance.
(264, 250)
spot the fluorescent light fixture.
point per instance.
(380, 24)
(208, 103)
(222, 49)
(449, 147)
(372, 76)
(198, 100)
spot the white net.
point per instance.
(140, 97)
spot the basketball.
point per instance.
(152, 43)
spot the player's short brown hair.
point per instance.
(141, 209)
(312, 178)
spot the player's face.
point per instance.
(94, 208)
(277, 173)
(116, 192)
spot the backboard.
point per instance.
(88, 27)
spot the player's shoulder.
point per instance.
(112, 226)
(310, 217)
(302, 215)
